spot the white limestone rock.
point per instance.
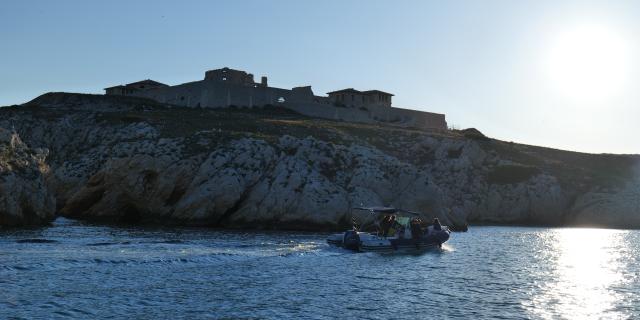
(618, 207)
(24, 197)
(131, 170)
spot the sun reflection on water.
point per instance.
(584, 268)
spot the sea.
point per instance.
(76, 270)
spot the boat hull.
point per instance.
(366, 242)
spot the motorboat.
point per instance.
(395, 230)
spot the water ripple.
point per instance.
(86, 271)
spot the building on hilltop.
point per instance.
(225, 87)
(360, 99)
(131, 88)
(232, 76)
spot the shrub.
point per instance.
(454, 153)
(511, 174)
(473, 133)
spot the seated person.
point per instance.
(386, 224)
(393, 226)
(416, 231)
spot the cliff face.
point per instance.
(24, 197)
(133, 160)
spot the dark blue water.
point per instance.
(72, 270)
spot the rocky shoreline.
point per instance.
(131, 160)
(24, 197)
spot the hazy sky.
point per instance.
(550, 73)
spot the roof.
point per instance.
(345, 90)
(352, 90)
(148, 81)
(226, 69)
(118, 86)
(377, 91)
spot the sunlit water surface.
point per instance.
(71, 270)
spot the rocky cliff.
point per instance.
(119, 159)
(24, 197)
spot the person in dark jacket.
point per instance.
(416, 231)
(385, 225)
(436, 224)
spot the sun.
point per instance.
(588, 63)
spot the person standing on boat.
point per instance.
(416, 231)
(436, 224)
(392, 226)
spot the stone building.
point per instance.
(236, 77)
(225, 87)
(132, 88)
(360, 99)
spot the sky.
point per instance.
(561, 74)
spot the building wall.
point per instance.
(349, 99)
(410, 118)
(217, 94)
(232, 76)
(360, 99)
(144, 86)
(119, 91)
(378, 99)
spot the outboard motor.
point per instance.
(441, 235)
(351, 240)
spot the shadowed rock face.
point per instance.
(24, 197)
(136, 161)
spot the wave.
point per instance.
(172, 241)
(99, 244)
(114, 243)
(36, 240)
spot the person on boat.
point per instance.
(416, 231)
(436, 224)
(380, 226)
(401, 232)
(385, 225)
(392, 226)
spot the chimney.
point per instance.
(263, 81)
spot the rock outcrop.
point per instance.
(24, 197)
(618, 208)
(137, 161)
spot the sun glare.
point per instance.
(586, 264)
(588, 63)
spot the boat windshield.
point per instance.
(403, 221)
